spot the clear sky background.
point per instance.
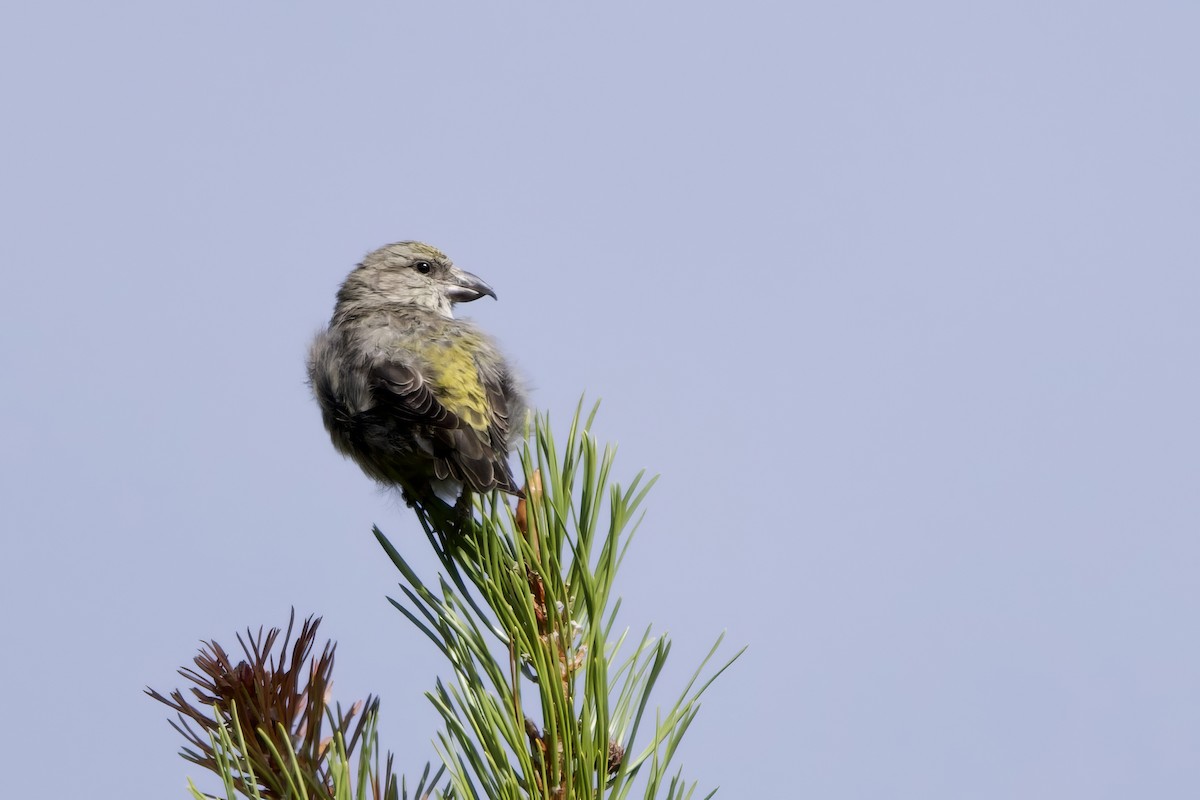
(900, 300)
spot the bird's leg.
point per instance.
(450, 521)
(463, 508)
(436, 513)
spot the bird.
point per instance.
(420, 400)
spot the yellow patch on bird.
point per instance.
(456, 381)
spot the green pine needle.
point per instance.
(544, 704)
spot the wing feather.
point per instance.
(478, 458)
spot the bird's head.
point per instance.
(411, 273)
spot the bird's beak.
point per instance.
(465, 287)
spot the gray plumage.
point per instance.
(417, 398)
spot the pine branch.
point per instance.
(259, 724)
(547, 698)
(543, 703)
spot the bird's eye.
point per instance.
(423, 267)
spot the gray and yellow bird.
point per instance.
(420, 400)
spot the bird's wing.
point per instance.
(498, 415)
(460, 450)
(499, 423)
(407, 395)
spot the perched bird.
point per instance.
(420, 400)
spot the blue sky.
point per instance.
(900, 300)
